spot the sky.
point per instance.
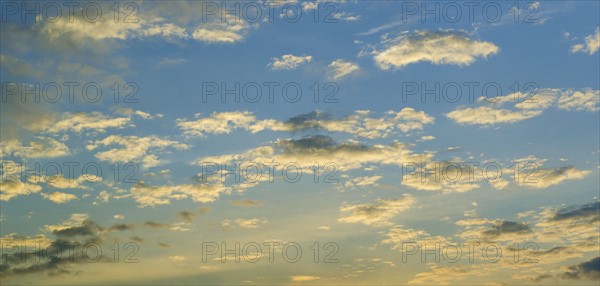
(300, 142)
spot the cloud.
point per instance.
(121, 227)
(12, 187)
(230, 32)
(76, 225)
(579, 223)
(591, 45)
(345, 16)
(525, 106)
(398, 234)
(289, 62)
(304, 278)
(559, 235)
(506, 227)
(44, 147)
(306, 151)
(81, 121)
(565, 226)
(59, 198)
(188, 217)
(586, 100)
(18, 67)
(245, 223)
(589, 269)
(154, 224)
(155, 22)
(341, 68)
(586, 211)
(359, 123)
(130, 112)
(376, 214)
(367, 181)
(445, 176)
(146, 195)
(73, 235)
(177, 258)
(217, 123)
(60, 182)
(134, 149)
(245, 203)
(546, 177)
(484, 115)
(17, 118)
(443, 47)
(79, 29)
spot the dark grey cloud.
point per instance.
(155, 224)
(245, 203)
(317, 143)
(308, 121)
(189, 216)
(137, 239)
(507, 227)
(586, 270)
(122, 227)
(87, 228)
(58, 256)
(591, 210)
(186, 216)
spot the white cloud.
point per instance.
(134, 149)
(11, 188)
(546, 177)
(44, 147)
(344, 16)
(146, 195)
(304, 278)
(367, 181)
(306, 151)
(359, 123)
(177, 258)
(245, 223)
(443, 47)
(485, 115)
(81, 121)
(340, 69)
(289, 62)
(446, 176)
(217, 123)
(60, 182)
(591, 45)
(525, 106)
(398, 234)
(81, 29)
(155, 22)
(586, 100)
(376, 214)
(59, 198)
(217, 32)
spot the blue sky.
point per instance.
(378, 146)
